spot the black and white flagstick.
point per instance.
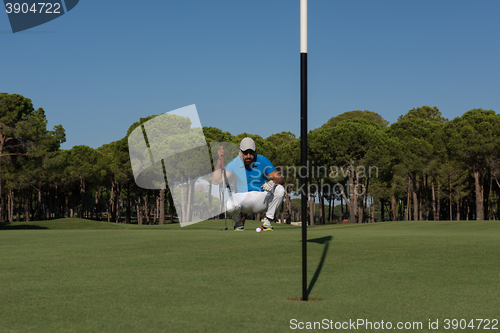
(303, 139)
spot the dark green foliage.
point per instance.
(27, 149)
(474, 140)
(421, 167)
(425, 113)
(350, 115)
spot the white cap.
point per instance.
(247, 143)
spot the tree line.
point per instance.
(422, 167)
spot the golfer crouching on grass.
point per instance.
(255, 193)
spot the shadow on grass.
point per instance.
(8, 226)
(323, 240)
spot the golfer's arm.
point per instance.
(217, 175)
(276, 177)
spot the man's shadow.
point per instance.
(326, 241)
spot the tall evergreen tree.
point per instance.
(473, 138)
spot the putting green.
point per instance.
(85, 276)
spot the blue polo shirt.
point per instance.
(253, 177)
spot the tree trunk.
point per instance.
(38, 213)
(468, 211)
(162, 207)
(289, 205)
(27, 206)
(489, 210)
(2, 138)
(360, 211)
(282, 212)
(498, 204)
(451, 201)
(82, 197)
(434, 210)
(112, 202)
(210, 199)
(321, 204)
(190, 202)
(96, 204)
(11, 206)
(66, 206)
(147, 208)
(368, 207)
(57, 209)
(353, 200)
(372, 210)
(171, 207)
(438, 200)
(330, 207)
(312, 209)
(421, 199)
(19, 207)
(415, 199)
(424, 201)
(359, 206)
(348, 201)
(382, 210)
(108, 211)
(157, 210)
(117, 204)
(393, 207)
(341, 206)
(479, 196)
(408, 202)
(182, 213)
(138, 209)
(128, 210)
(46, 206)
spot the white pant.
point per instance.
(255, 202)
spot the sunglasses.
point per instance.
(248, 152)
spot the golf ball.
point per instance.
(258, 229)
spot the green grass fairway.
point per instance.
(73, 275)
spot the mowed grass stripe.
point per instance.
(166, 278)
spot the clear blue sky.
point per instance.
(102, 66)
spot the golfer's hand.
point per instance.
(268, 186)
(220, 152)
